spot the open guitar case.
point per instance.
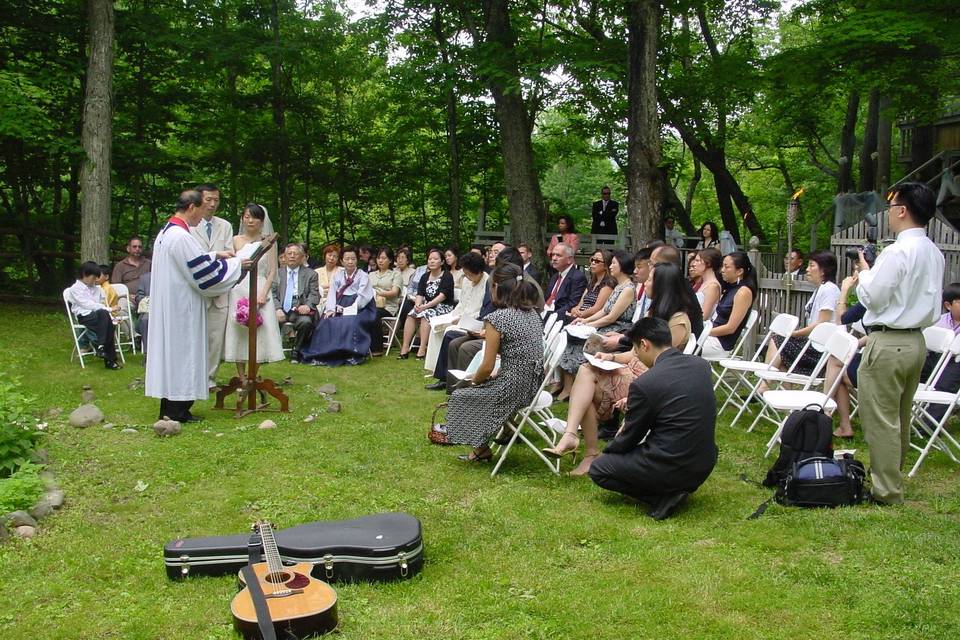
(377, 548)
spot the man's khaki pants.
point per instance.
(888, 377)
(216, 330)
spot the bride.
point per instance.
(254, 225)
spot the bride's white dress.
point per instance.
(269, 346)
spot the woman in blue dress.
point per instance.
(345, 339)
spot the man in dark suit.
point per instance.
(528, 267)
(793, 264)
(296, 294)
(666, 447)
(567, 285)
(605, 214)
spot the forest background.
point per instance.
(406, 120)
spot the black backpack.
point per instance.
(823, 482)
(807, 433)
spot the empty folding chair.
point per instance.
(925, 425)
(125, 318)
(841, 346)
(782, 325)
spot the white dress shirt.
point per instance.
(86, 298)
(903, 289)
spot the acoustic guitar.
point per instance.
(298, 603)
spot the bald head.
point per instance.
(665, 253)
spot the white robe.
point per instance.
(182, 276)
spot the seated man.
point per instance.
(666, 448)
(87, 299)
(567, 284)
(296, 295)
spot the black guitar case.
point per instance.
(377, 548)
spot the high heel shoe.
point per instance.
(559, 451)
(403, 356)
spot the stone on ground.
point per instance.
(26, 532)
(268, 424)
(167, 427)
(86, 415)
(327, 389)
(21, 519)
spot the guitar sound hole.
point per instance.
(280, 577)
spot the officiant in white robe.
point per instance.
(183, 275)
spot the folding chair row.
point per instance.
(924, 425)
(126, 319)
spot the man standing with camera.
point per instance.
(902, 293)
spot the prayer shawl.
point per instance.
(182, 276)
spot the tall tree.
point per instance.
(97, 135)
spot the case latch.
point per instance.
(184, 568)
(403, 564)
(328, 566)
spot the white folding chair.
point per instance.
(691, 345)
(702, 338)
(77, 332)
(549, 340)
(841, 346)
(782, 325)
(549, 321)
(536, 416)
(923, 423)
(126, 319)
(752, 320)
(816, 340)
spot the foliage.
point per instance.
(22, 489)
(19, 432)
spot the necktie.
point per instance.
(556, 287)
(288, 294)
(209, 230)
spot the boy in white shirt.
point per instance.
(88, 302)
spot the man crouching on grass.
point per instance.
(666, 448)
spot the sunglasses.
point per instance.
(596, 260)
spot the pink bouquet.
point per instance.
(243, 312)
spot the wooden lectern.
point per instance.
(254, 389)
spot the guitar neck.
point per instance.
(270, 550)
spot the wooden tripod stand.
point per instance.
(254, 389)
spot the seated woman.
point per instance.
(410, 279)
(471, 298)
(707, 263)
(515, 332)
(694, 271)
(387, 291)
(345, 339)
(434, 298)
(616, 315)
(329, 269)
(451, 259)
(598, 392)
(599, 287)
(821, 271)
(834, 367)
(733, 309)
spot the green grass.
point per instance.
(523, 555)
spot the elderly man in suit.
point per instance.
(214, 235)
(567, 285)
(666, 448)
(296, 294)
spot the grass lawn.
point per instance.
(524, 555)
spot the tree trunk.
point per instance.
(692, 190)
(847, 142)
(97, 135)
(644, 179)
(884, 142)
(868, 168)
(453, 142)
(282, 158)
(519, 168)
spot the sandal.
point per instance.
(473, 456)
(584, 467)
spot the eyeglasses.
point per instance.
(596, 260)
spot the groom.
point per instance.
(215, 235)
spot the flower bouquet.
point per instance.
(243, 312)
